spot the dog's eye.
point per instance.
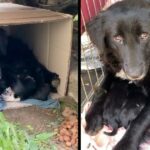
(118, 39)
(144, 36)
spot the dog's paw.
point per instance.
(55, 80)
(55, 83)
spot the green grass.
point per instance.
(75, 18)
(14, 138)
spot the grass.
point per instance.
(14, 138)
(75, 18)
(70, 103)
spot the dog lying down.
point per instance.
(102, 141)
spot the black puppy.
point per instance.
(94, 124)
(114, 103)
(135, 102)
(123, 104)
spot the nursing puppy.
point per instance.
(123, 104)
(114, 103)
(135, 102)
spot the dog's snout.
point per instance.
(134, 72)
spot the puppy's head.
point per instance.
(123, 37)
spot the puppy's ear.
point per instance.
(96, 32)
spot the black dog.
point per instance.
(21, 71)
(122, 34)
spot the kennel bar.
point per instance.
(91, 77)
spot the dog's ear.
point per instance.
(95, 31)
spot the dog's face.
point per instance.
(123, 37)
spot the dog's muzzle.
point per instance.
(123, 75)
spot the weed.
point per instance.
(14, 138)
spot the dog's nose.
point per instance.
(134, 73)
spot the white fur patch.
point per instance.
(8, 95)
(121, 74)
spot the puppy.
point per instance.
(123, 104)
(135, 102)
(115, 101)
(94, 124)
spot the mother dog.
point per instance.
(122, 34)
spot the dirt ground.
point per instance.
(37, 120)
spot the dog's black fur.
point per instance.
(122, 34)
(21, 71)
(123, 104)
(114, 103)
(135, 101)
(94, 124)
